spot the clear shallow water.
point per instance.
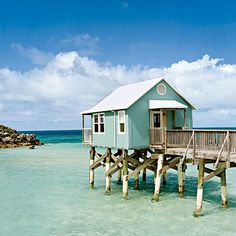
(45, 192)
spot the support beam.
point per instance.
(125, 173)
(91, 171)
(198, 211)
(158, 177)
(108, 164)
(223, 189)
(181, 178)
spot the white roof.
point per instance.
(166, 104)
(125, 96)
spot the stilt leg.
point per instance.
(108, 163)
(181, 178)
(198, 211)
(158, 177)
(136, 179)
(91, 172)
(164, 178)
(144, 174)
(145, 170)
(164, 174)
(125, 173)
(119, 176)
(223, 188)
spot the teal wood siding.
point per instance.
(139, 116)
(122, 139)
(108, 139)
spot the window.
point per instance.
(161, 89)
(121, 121)
(99, 123)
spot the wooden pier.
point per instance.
(213, 151)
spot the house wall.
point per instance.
(111, 137)
(139, 120)
(106, 138)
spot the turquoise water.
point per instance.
(45, 192)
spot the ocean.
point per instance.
(45, 191)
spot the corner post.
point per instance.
(158, 177)
(198, 211)
(125, 173)
(185, 119)
(108, 163)
(91, 171)
(223, 189)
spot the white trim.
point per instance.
(151, 118)
(99, 123)
(118, 116)
(166, 104)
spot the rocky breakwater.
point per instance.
(10, 138)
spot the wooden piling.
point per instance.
(158, 177)
(145, 170)
(181, 178)
(125, 173)
(136, 178)
(108, 164)
(164, 174)
(198, 211)
(119, 176)
(144, 174)
(223, 189)
(91, 171)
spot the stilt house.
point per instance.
(133, 116)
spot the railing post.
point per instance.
(164, 138)
(228, 151)
(194, 145)
(82, 128)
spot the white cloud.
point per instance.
(37, 57)
(54, 95)
(85, 44)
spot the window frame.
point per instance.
(118, 115)
(99, 123)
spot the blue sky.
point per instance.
(111, 34)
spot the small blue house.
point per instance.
(132, 115)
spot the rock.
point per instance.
(6, 139)
(10, 138)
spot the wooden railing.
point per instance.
(157, 136)
(87, 135)
(222, 142)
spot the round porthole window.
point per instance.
(161, 89)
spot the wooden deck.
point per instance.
(171, 149)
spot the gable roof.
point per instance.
(125, 96)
